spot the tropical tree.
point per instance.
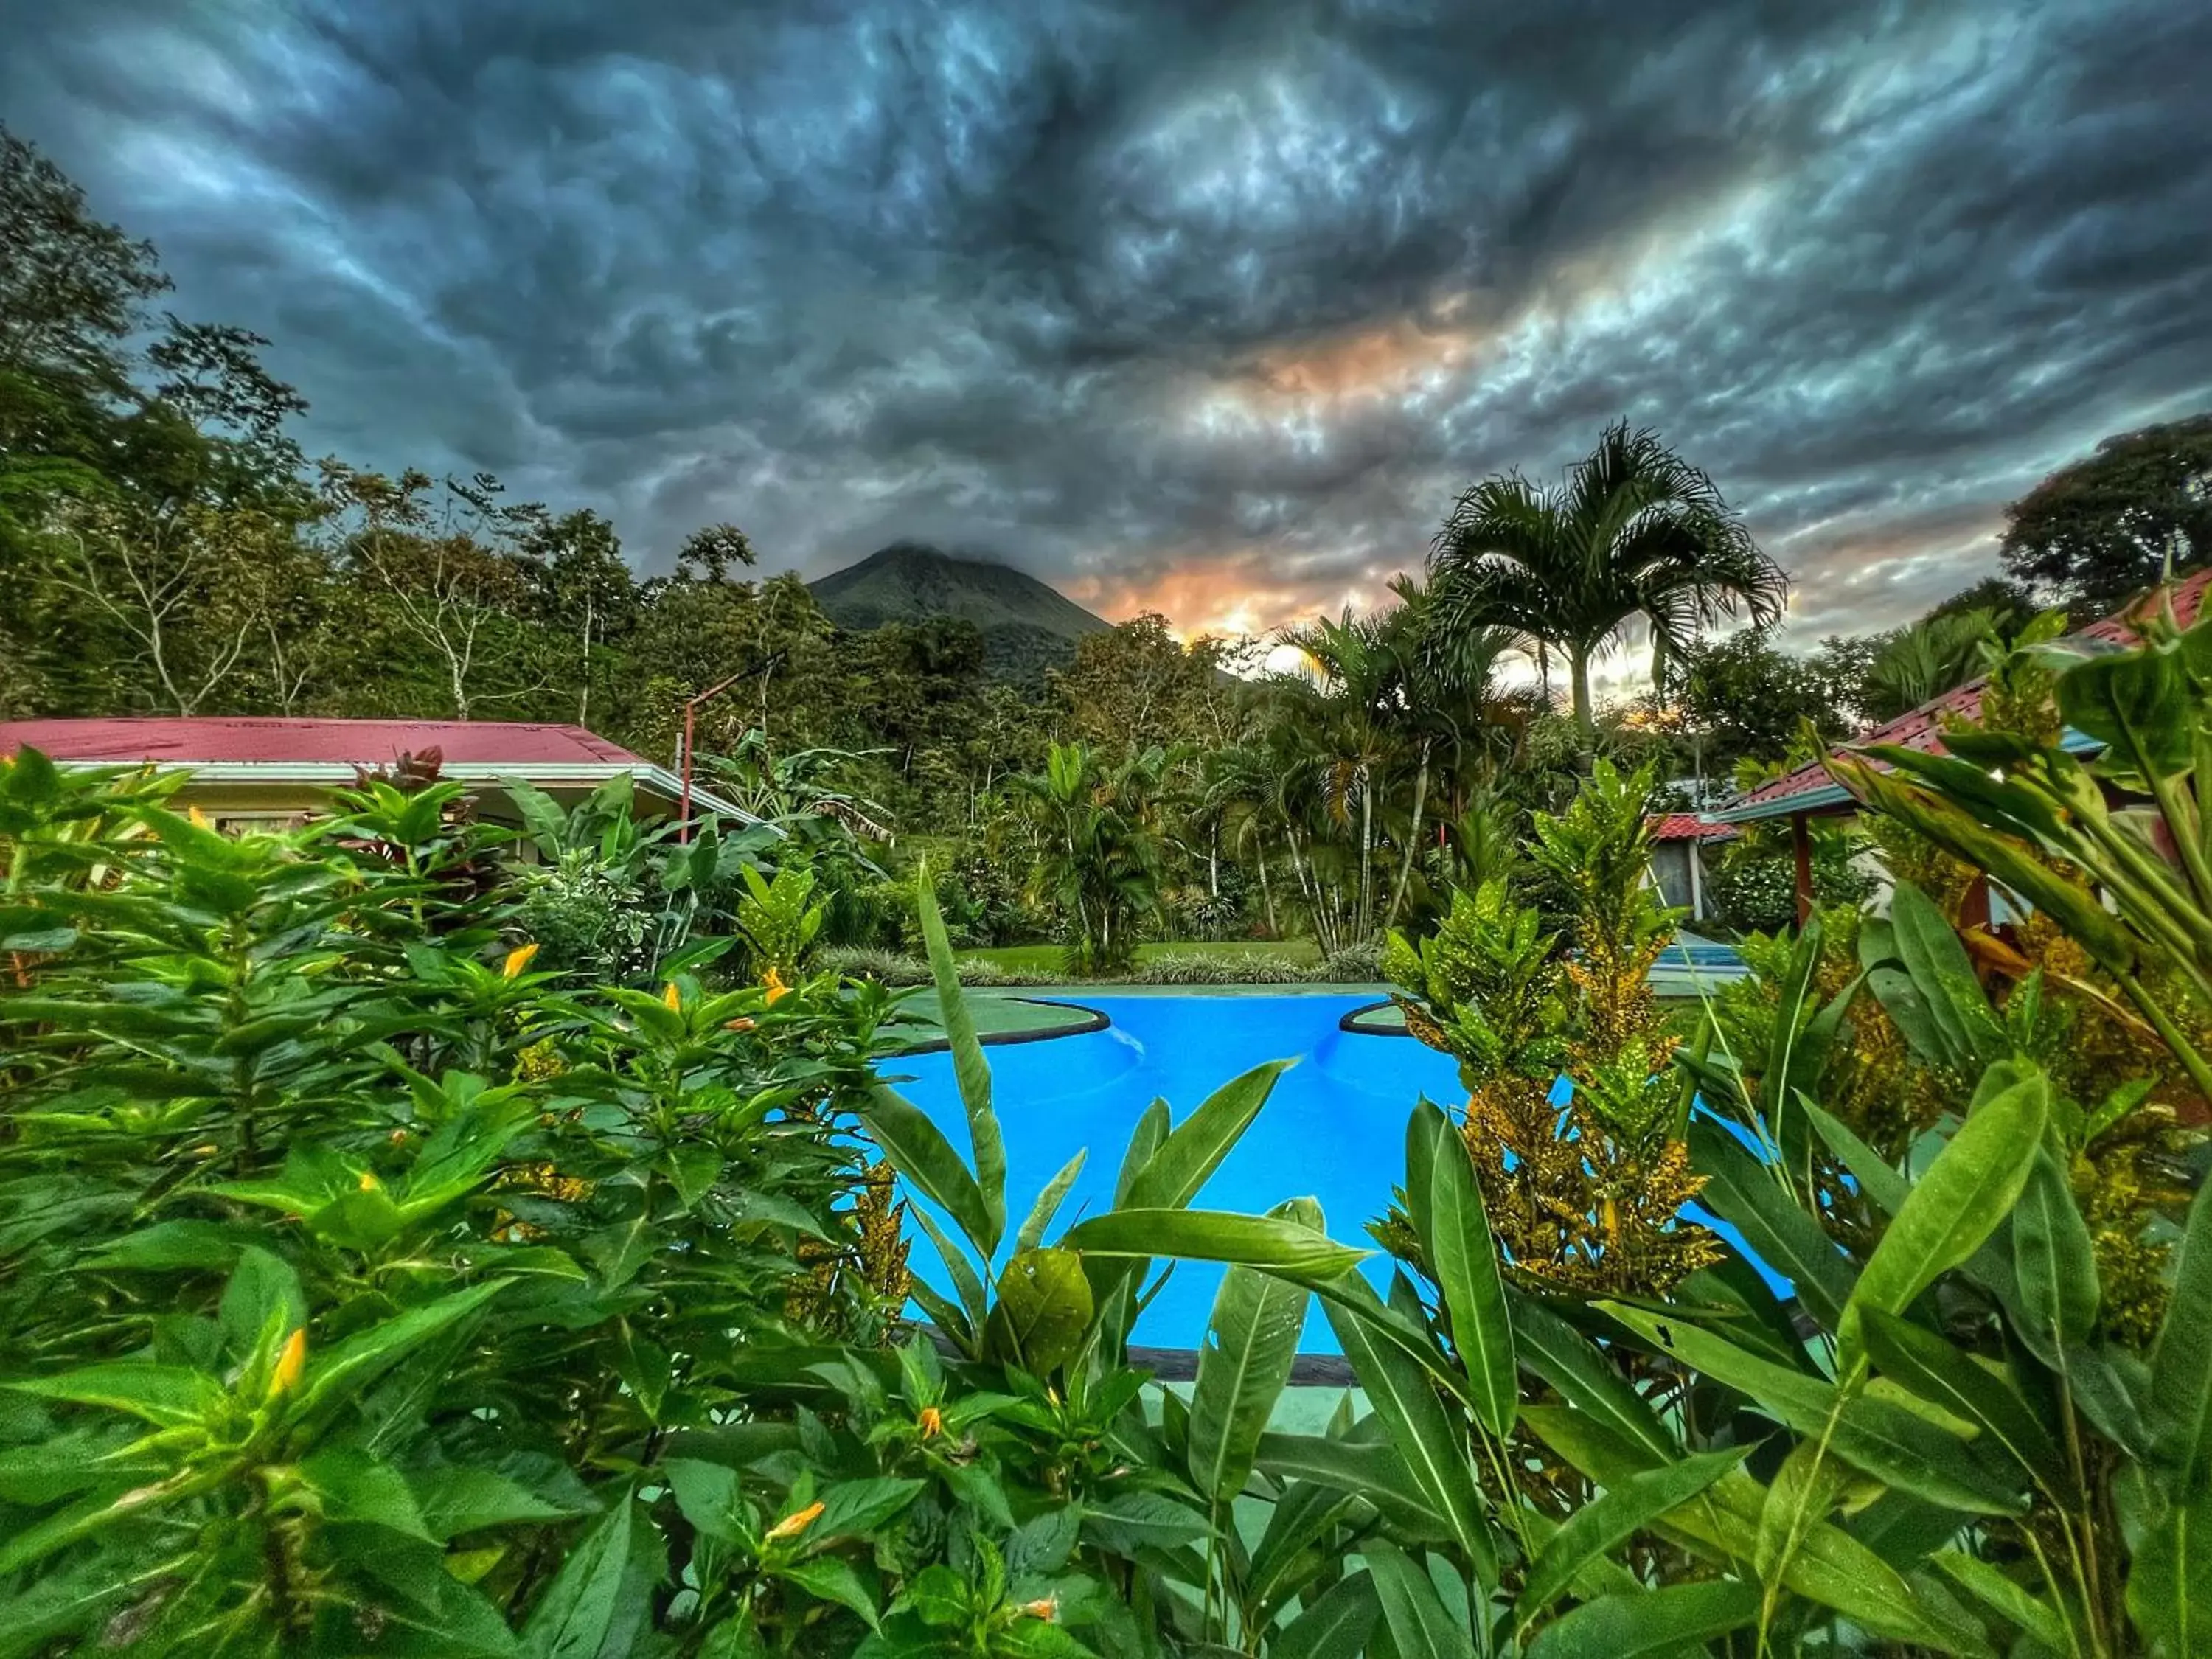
(1451, 712)
(1632, 532)
(1361, 672)
(2101, 529)
(1926, 659)
(1098, 857)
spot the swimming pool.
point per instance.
(1333, 1129)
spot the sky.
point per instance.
(1203, 307)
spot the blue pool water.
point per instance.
(1334, 1130)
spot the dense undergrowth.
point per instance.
(371, 1288)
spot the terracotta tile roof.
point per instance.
(1922, 729)
(1688, 826)
(323, 742)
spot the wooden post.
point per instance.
(1974, 905)
(1801, 842)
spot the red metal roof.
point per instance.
(347, 742)
(1922, 729)
(1688, 826)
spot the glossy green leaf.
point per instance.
(918, 1150)
(1918, 1360)
(359, 1359)
(1801, 1495)
(1965, 1027)
(1153, 1124)
(458, 1499)
(1567, 1360)
(833, 1579)
(1278, 1246)
(856, 1509)
(1745, 1193)
(1895, 1445)
(1142, 1521)
(1884, 1186)
(1043, 1310)
(166, 1395)
(1295, 1548)
(1465, 1258)
(1420, 1625)
(1671, 1620)
(2170, 1579)
(1967, 1193)
(1369, 1469)
(1251, 1340)
(2136, 703)
(1336, 1626)
(1432, 1438)
(1613, 1517)
(1193, 1149)
(1032, 1230)
(2179, 1416)
(599, 1600)
(2055, 1266)
(972, 1073)
(1831, 1567)
(2011, 1600)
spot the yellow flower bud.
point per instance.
(1046, 1608)
(368, 1183)
(199, 819)
(792, 1525)
(670, 997)
(289, 1363)
(931, 1421)
(518, 959)
(777, 987)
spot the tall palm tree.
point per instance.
(1632, 530)
(1362, 670)
(1446, 699)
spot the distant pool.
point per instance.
(1333, 1129)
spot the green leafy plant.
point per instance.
(351, 1268)
(778, 919)
(2114, 846)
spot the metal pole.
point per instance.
(683, 818)
(690, 742)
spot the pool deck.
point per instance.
(1030, 1012)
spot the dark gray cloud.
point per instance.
(1212, 305)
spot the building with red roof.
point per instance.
(1810, 792)
(1678, 860)
(256, 769)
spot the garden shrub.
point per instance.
(406, 1257)
(778, 919)
(1197, 968)
(1353, 964)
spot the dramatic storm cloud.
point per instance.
(1201, 306)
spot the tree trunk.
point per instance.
(1412, 838)
(1267, 894)
(584, 696)
(1366, 857)
(1585, 726)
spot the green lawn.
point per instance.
(1046, 958)
(998, 1013)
